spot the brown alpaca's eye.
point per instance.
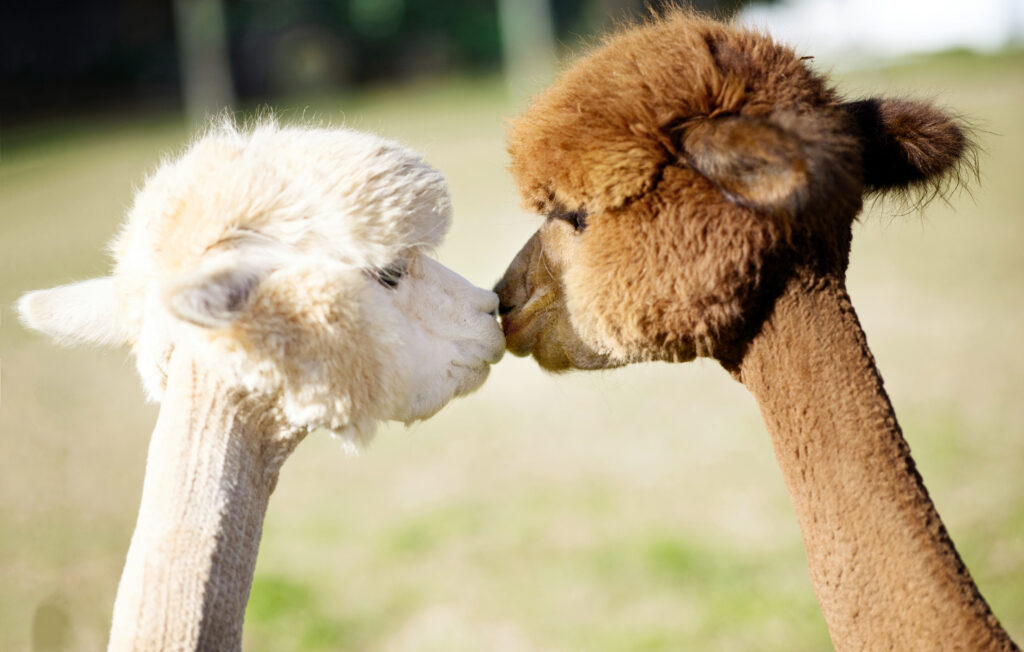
(577, 218)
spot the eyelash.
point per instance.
(577, 218)
(390, 276)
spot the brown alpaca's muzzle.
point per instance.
(533, 307)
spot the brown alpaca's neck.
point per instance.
(884, 569)
(213, 461)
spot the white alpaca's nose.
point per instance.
(476, 298)
(485, 301)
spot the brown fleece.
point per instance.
(883, 566)
(700, 184)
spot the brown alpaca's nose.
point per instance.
(505, 303)
(514, 288)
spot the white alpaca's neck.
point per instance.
(213, 461)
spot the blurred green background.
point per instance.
(639, 509)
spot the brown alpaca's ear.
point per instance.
(757, 164)
(907, 145)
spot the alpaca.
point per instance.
(700, 183)
(269, 281)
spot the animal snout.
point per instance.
(516, 286)
(504, 308)
(506, 303)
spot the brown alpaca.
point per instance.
(700, 184)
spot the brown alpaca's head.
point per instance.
(683, 168)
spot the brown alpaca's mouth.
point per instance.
(522, 335)
(549, 337)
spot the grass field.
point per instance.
(639, 509)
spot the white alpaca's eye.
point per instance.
(390, 276)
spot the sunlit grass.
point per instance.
(639, 509)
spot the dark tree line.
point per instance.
(102, 55)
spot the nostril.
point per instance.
(504, 309)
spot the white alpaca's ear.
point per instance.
(85, 312)
(217, 294)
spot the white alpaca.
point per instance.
(269, 282)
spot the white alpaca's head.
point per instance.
(295, 260)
